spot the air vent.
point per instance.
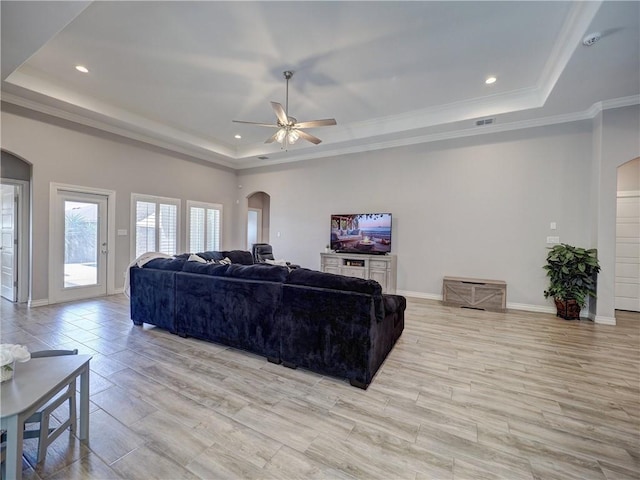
(262, 157)
(485, 121)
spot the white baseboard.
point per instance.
(426, 296)
(45, 301)
(38, 303)
(517, 306)
(603, 320)
(526, 307)
(513, 306)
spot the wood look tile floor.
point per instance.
(464, 394)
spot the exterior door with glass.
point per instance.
(81, 249)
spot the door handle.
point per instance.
(104, 248)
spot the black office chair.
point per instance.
(263, 251)
(45, 434)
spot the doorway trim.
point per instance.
(24, 237)
(621, 194)
(54, 190)
(258, 212)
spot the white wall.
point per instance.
(60, 153)
(478, 207)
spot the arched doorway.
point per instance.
(258, 218)
(627, 281)
(15, 184)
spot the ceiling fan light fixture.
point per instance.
(280, 135)
(292, 137)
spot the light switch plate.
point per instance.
(122, 232)
(553, 240)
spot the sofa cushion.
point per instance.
(211, 256)
(242, 257)
(212, 269)
(258, 271)
(173, 264)
(312, 278)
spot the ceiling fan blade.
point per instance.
(271, 139)
(317, 123)
(280, 113)
(308, 137)
(257, 123)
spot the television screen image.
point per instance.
(361, 233)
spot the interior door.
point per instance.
(8, 242)
(81, 249)
(627, 287)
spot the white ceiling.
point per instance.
(175, 74)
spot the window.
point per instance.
(203, 226)
(155, 223)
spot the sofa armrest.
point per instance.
(393, 303)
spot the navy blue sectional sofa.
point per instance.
(329, 324)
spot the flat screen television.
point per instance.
(361, 233)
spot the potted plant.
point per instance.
(572, 278)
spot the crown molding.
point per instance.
(588, 114)
(170, 144)
(242, 163)
(576, 24)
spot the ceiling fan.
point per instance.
(289, 129)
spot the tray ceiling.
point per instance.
(175, 74)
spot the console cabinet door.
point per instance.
(332, 269)
(354, 272)
(379, 276)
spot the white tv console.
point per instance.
(381, 268)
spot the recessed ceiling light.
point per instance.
(82, 69)
(238, 136)
(490, 80)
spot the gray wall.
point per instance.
(85, 157)
(477, 207)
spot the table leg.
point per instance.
(84, 404)
(13, 461)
